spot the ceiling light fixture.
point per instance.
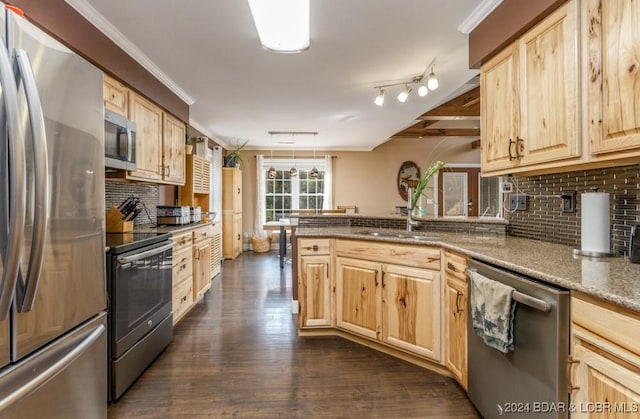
(404, 95)
(293, 172)
(380, 98)
(283, 25)
(272, 173)
(432, 82)
(426, 84)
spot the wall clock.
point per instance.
(408, 177)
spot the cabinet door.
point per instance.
(216, 250)
(231, 189)
(148, 119)
(499, 110)
(614, 88)
(116, 96)
(455, 313)
(237, 187)
(173, 150)
(549, 88)
(411, 309)
(314, 290)
(358, 297)
(599, 381)
(201, 268)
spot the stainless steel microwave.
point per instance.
(119, 142)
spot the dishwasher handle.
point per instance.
(522, 298)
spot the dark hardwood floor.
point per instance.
(237, 354)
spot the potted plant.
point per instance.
(428, 173)
(234, 157)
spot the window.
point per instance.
(285, 193)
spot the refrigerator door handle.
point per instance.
(17, 186)
(53, 369)
(41, 170)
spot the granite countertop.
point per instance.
(481, 220)
(613, 279)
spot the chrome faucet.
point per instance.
(410, 221)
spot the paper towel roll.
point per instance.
(595, 222)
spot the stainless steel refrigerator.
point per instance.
(52, 283)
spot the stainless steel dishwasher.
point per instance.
(529, 381)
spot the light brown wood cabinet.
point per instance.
(398, 305)
(605, 360)
(456, 316)
(160, 136)
(613, 69)
(196, 189)
(173, 156)
(182, 275)
(231, 212)
(116, 96)
(529, 98)
(315, 283)
(216, 250)
(202, 261)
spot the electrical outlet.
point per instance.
(506, 187)
(517, 202)
(568, 201)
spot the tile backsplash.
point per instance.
(116, 192)
(544, 219)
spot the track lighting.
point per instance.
(425, 83)
(380, 98)
(432, 82)
(402, 96)
(422, 90)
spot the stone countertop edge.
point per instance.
(149, 228)
(477, 220)
(613, 279)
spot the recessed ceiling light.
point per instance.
(283, 25)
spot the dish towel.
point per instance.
(492, 310)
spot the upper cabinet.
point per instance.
(614, 76)
(148, 119)
(160, 136)
(529, 97)
(116, 96)
(173, 136)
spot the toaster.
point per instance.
(173, 215)
(634, 245)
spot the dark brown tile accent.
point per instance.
(544, 220)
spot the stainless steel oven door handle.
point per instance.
(15, 197)
(128, 259)
(41, 174)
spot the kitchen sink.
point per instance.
(400, 235)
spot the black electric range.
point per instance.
(124, 242)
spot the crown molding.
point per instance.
(110, 31)
(478, 15)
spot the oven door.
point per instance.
(140, 294)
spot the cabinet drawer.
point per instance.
(314, 246)
(398, 254)
(455, 265)
(203, 233)
(182, 241)
(182, 267)
(182, 299)
(619, 328)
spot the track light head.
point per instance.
(422, 90)
(404, 95)
(380, 98)
(432, 82)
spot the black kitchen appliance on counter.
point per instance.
(139, 315)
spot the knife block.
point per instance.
(115, 223)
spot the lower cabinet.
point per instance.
(604, 362)
(202, 261)
(395, 304)
(314, 285)
(456, 316)
(182, 275)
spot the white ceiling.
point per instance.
(208, 52)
